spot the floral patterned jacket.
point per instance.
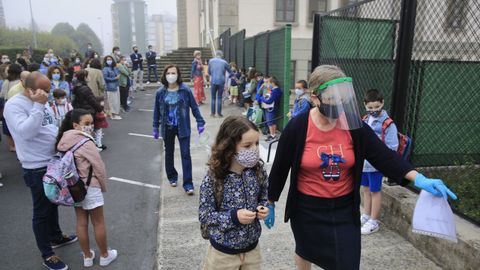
(227, 234)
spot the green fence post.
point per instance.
(286, 75)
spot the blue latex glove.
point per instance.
(156, 134)
(200, 129)
(434, 186)
(270, 219)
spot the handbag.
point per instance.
(100, 120)
(78, 191)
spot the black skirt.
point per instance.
(325, 232)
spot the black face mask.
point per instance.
(136, 51)
(330, 111)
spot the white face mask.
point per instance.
(172, 78)
(299, 91)
(88, 129)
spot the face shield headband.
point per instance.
(339, 103)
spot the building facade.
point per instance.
(162, 33)
(129, 23)
(215, 16)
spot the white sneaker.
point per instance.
(112, 255)
(88, 262)
(116, 117)
(364, 218)
(148, 82)
(370, 227)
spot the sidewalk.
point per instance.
(181, 247)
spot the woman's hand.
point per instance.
(245, 216)
(262, 212)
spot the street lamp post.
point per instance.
(33, 26)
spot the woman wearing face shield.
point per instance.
(325, 149)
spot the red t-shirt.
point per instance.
(335, 178)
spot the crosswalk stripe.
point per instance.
(133, 182)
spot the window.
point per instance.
(285, 11)
(315, 6)
(455, 13)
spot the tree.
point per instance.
(85, 32)
(64, 29)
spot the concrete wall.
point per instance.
(301, 53)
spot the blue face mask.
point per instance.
(109, 62)
(56, 77)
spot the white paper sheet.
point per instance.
(434, 217)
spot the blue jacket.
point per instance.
(62, 85)
(137, 61)
(391, 138)
(227, 234)
(195, 72)
(274, 97)
(234, 76)
(216, 70)
(185, 102)
(111, 83)
(301, 105)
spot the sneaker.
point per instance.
(212, 115)
(173, 182)
(364, 218)
(116, 117)
(66, 240)
(370, 227)
(88, 262)
(244, 113)
(220, 115)
(148, 82)
(112, 255)
(159, 82)
(189, 189)
(54, 263)
(1, 184)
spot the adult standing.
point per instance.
(151, 56)
(89, 53)
(216, 69)
(85, 99)
(171, 115)
(137, 68)
(323, 202)
(97, 83)
(123, 83)
(116, 54)
(45, 64)
(33, 128)
(13, 78)
(57, 77)
(197, 76)
(112, 77)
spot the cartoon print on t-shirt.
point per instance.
(330, 158)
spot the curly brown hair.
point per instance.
(51, 69)
(225, 148)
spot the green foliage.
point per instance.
(85, 32)
(22, 38)
(12, 53)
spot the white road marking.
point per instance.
(140, 135)
(145, 110)
(133, 182)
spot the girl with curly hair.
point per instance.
(233, 197)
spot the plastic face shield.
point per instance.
(339, 103)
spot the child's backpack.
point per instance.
(61, 174)
(404, 142)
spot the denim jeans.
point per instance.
(154, 70)
(45, 214)
(169, 141)
(217, 95)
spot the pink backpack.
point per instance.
(62, 174)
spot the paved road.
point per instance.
(131, 211)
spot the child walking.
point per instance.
(60, 105)
(371, 178)
(233, 197)
(78, 125)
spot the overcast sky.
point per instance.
(47, 13)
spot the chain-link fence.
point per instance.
(269, 53)
(423, 55)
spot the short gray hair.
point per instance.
(322, 74)
(218, 53)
